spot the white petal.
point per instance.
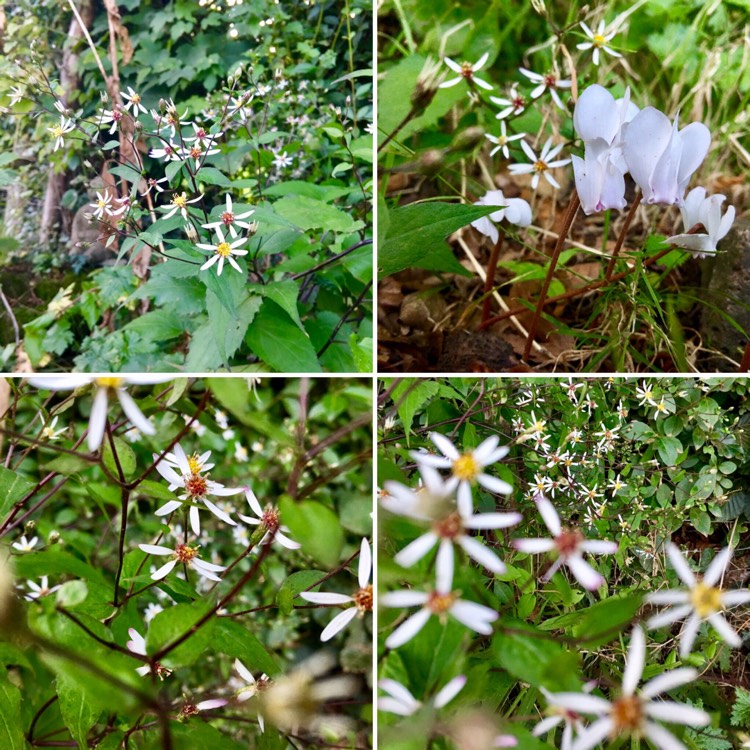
(152, 549)
(408, 629)
(168, 507)
(492, 520)
(493, 484)
(717, 567)
(486, 448)
(673, 614)
(687, 636)
(474, 616)
(733, 598)
(725, 630)
(218, 512)
(195, 520)
(449, 692)
(646, 138)
(444, 567)
(98, 419)
(667, 681)
(668, 596)
(403, 598)
(599, 547)
(635, 661)
(548, 514)
(662, 738)
(391, 705)
(580, 703)
(533, 546)
(133, 413)
(244, 672)
(444, 445)
(338, 623)
(483, 555)
(592, 735)
(416, 550)
(161, 572)
(677, 713)
(253, 503)
(680, 565)
(321, 597)
(584, 573)
(398, 691)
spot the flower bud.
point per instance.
(428, 82)
(191, 233)
(54, 537)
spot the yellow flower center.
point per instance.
(136, 99)
(185, 554)
(706, 600)
(180, 200)
(195, 465)
(57, 131)
(465, 467)
(102, 203)
(599, 40)
(109, 382)
(223, 249)
(196, 152)
(440, 603)
(540, 166)
(627, 715)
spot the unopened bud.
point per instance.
(54, 537)
(162, 105)
(192, 235)
(28, 529)
(540, 7)
(428, 82)
(253, 228)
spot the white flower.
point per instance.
(252, 688)
(185, 555)
(197, 153)
(49, 432)
(151, 183)
(114, 116)
(548, 82)
(515, 210)
(39, 590)
(542, 165)
(151, 611)
(17, 94)
(178, 203)
(573, 722)
(466, 468)
(24, 544)
(631, 714)
(103, 206)
(222, 251)
(442, 601)
(196, 485)
(662, 159)
(598, 40)
(205, 139)
(173, 119)
(269, 520)
(570, 545)
(240, 105)
(240, 453)
(59, 131)
(137, 644)
(282, 160)
(168, 153)
(501, 141)
(362, 598)
(229, 220)
(645, 394)
(105, 387)
(400, 700)
(505, 740)
(616, 485)
(513, 105)
(466, 71)
(702, 601)
(133, 100)
(697, 209)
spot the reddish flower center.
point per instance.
(270, 519)
(363, 599)
(627, 714)
(449, 527)
(467, 71)
(185, 554)
(518, 103)
(200, 134)
(196, 152)
(227, 217)
(568, 541)
(550, 81)
(196, 485)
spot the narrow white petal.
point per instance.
(592, 735)
(244, 672)
(394, 706)
(444, 445)
(483, 555)
(322, 597)
(493, 521)
(133, 413)
(253, 503)
(218, 512)
(338, 623)
(673, 614)
(444, 567)
(677, 713)
(152, 549)
(733, 598)
(98, 419)
(408, 629)
(416, 550)
(398, 691)
(668, 596)
(635, 661)
(725, 630)
(717, 567)
(687, 636)
(450, 691)
(493, 484)
(548, 514)
(680, 565)
(533, 546)
(474, 616)
(159, 574)
(667, 681)
(168, 507)
(584, 573)
(598, 547)
(403, 598)
(662, 738)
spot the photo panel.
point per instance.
(563, 563)
(562, 187)
(186, 563)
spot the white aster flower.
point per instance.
(192, 709)
(49, 432)
(204, 138)
(362, 598)
(137, 644)
(267, 518)
(24, 544)
(151, 611)
(400, 700)
(59, 131)
(114, 116)
(598, 40)
(466, 468)
(170, 152)
(229, 220)
(432, 499)
(222, 251)
(105, 387)
(252, 688)
(513, 105)
(173, 119)
(542, 165)
(501, 141)
(103, 206)
(702, 601)
(282, 160)
(185, 555)
(443, 601)
(466, 72)
(645, 394)
(197, 153)
(17, 94)
(38, 590)
(178, 203)
(240, 453)
(152, 184)
(196, 485)
(573, 721)
(133, 100)
(635, 715)
(570, 544)
(548, 82)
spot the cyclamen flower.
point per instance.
(196, 486)
(515, 210)
(222, 251)
(105, 387)
(697, 209)
(178, 203)
(702, 601)
(185, 555)
(267, 519)
(466, 72)
(548, 82)
(466, 467)
(229, 220)
(443, 601)
(362, 598)
(601, 120)
(400, 700)
(662, 159)
(598, 40)
(542, 165)
(634, 715)
(513, 105)
(133, 100)
(570, 545)
(501, 141)
(59, 131)
(252, 688)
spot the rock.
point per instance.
(726, 279)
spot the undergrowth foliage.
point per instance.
(556, 556)
(223, 156)
(166, 570)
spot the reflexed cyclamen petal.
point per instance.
(134, 414)
(493, 484)
(667, 681)
(338, 623)
(403, 598)
(584, 573)
(218, 512)
(416, 550)
(696, 243)
(589, 178)
(646, 138)
(492, 520)
(449, 691)
(533, 546)
(474, 616)
(168, 507)
(595, 114)
(518, 212)
(483, 555)
(592, 735)
(635, 660)
(695, 141)
(548, 513)
(157, 575)
(725, 630)
(717, 567)
(673, 614)
(677, 713)
(599, 547)
(322, 597)
(662, 738)
(680, 565)
(408, 629)
(444, 567)
(97, 419)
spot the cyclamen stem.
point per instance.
(621, 237)
(490, 278)
(570, 215)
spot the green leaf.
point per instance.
(125, 457)
(11, 731)
(234, 640)
(308, 213)
(158, 325)
(72, 593)
(13, 487)
(212, 176)
(416, 236)
(741, 709)
(156, 490)
(79, 716)
(669, 449)
(701, 521)
(274, 338)
(172, 623)
(601, 622)
(316, 528)
(284, 294)
(293, 585)
(229, 328)
(417, 394)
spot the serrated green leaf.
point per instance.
(77, 713)
(171, 624)
(124, 457)
(234, 640)
(316, 527)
